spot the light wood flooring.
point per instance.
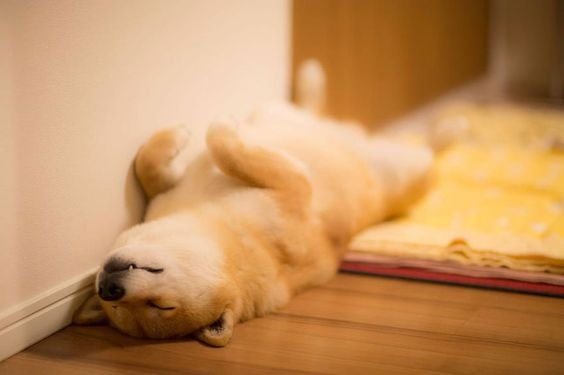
(354, 325)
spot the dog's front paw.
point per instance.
(223, 129)
(223, 135)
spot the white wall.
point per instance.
(86, 83)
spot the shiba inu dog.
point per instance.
(242, 216)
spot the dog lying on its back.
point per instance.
(243, 217)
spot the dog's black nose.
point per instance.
(109, 289)
(111, 292)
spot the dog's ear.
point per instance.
(90, 312)
(219, 332)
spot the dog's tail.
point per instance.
(311, 83)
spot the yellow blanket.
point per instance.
(498, 199)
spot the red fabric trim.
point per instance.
(421, 274)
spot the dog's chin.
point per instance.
(154, 333)
(217, 334)
(157, 328)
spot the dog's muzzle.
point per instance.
(110, 285)
(110, 281)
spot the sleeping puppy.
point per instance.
(241, 217)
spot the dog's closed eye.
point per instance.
(155, 305)
(119, 265)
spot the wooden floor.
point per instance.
(354, 325)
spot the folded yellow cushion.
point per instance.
(497, 201)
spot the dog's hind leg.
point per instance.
(405, 169)
(260, 166)
(162, 160)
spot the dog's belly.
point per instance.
(347, 195)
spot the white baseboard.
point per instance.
(33, 320)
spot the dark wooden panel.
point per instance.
(386, 57)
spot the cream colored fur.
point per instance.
(242, 216)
